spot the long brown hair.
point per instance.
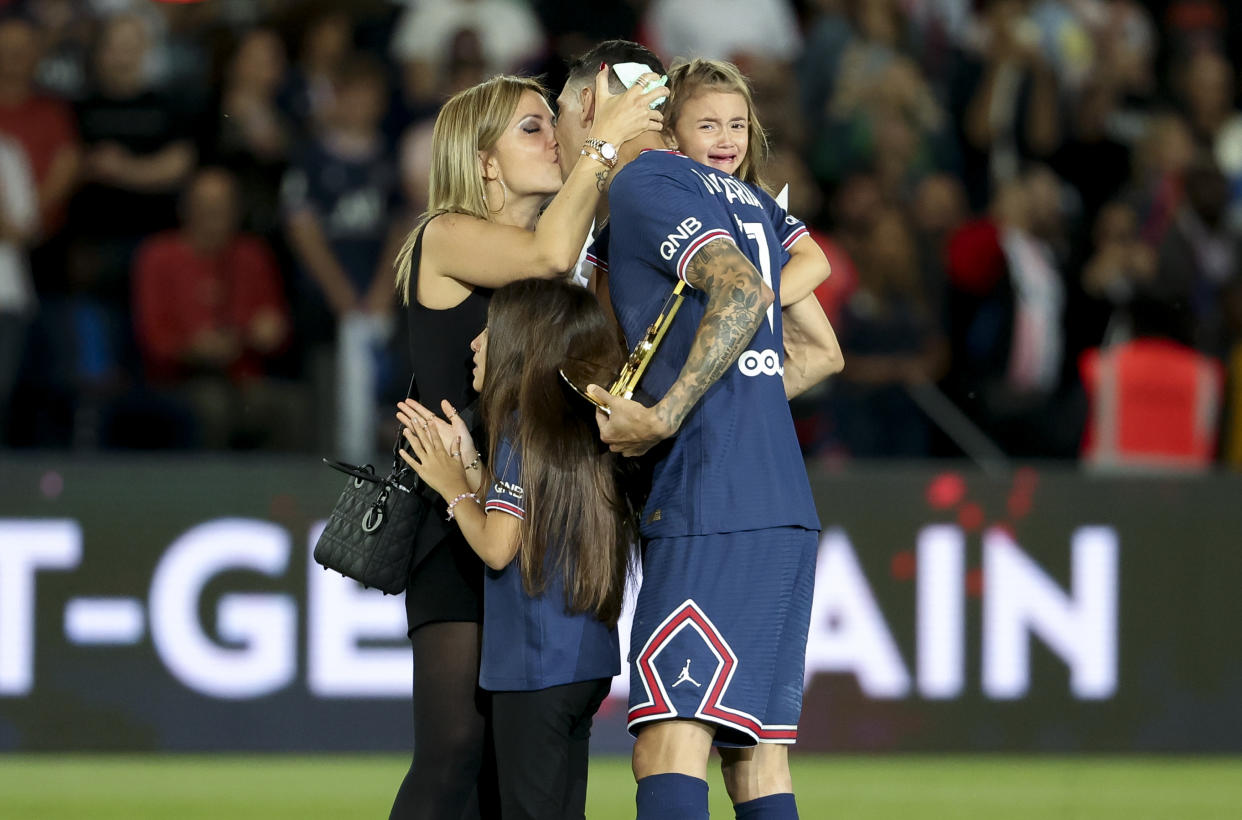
(471, 121)
(578, 521)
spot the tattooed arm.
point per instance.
(737, 299)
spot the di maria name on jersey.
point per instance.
(735, 464)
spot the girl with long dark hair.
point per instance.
(553, 528)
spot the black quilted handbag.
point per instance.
(373, 533)
(370, 534)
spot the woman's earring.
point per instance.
(504, 200)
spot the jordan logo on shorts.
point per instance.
(684, 677)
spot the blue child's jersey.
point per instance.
(735, 464)
(533, 643)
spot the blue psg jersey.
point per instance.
(735, 464)
(533, 643)
(354, 199)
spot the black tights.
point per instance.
(453, 775)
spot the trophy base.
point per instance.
(585, 396)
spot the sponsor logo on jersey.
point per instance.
(684, 677)
(687, 228)
(514, 490)
(760, 363)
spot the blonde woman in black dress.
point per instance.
(494, 166)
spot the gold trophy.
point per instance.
(640, 356)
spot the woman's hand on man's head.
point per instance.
(622, 117)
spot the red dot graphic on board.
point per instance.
(903, 565)
(945, 490)
(1025, 479)
(1019, 504)
(970, 516)
(974, 582)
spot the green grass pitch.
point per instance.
(275, 787)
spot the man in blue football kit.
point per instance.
(730, 529)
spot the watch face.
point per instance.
(608, 151)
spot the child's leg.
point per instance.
(540, 749)
(574, 800)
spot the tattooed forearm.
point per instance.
(601, 180)
(736, 301)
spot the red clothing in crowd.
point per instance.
(974, 259)
(179, 293)
(43, 126)
(836, 290)
(1154, 403)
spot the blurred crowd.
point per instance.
(200, 202)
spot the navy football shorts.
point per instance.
(720, 630)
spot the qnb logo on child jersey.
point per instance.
(760, 363)
(509, 488)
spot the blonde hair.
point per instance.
(685, 80)
(470, 122)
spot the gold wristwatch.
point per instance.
(604, 151)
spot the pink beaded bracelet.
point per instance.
(459, 498)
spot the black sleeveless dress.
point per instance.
(447, 583)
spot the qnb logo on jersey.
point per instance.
(512, 489)
(687, 228)
(760, 363)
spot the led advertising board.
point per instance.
(172, 603)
